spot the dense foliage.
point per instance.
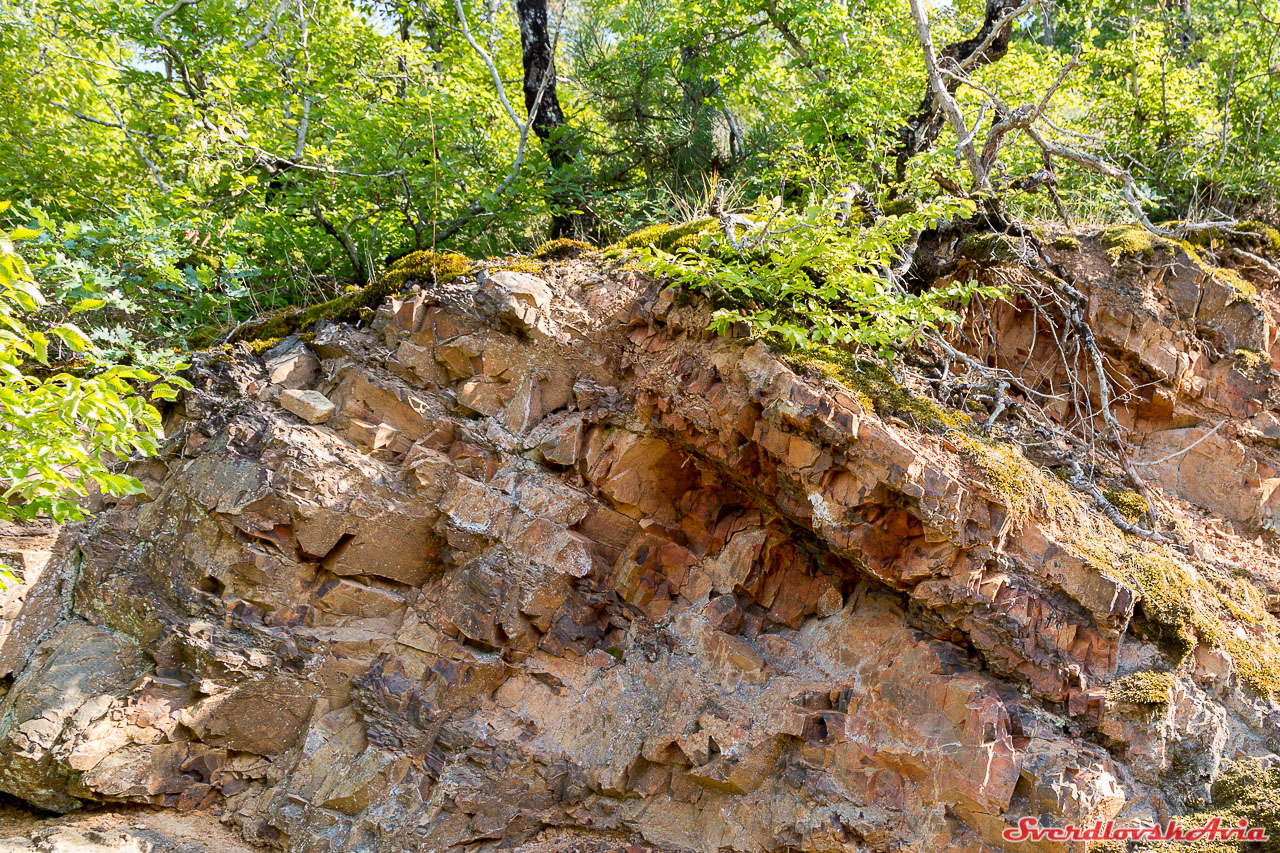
(68, 409)
(296, 142)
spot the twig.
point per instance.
(1186, 449)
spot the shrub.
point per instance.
(68, 411)
(800, 279)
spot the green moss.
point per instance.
(691, 241)
(1147, 689)
(1254, 236)
(873, 386)
(1237, 595)
(1182, 609)
(1108, 847)
(562, 248)
(357, 304)
(525, 265)
(1131, 505)
(261, 345)
(1065, 242)
(424, 267)
(664, 236)
(1168, 594)
(1257, 662)
(990, 248)
(1007, 472)
(899, 206)
(1245, 790)
(1126, 242)
(1244, 290)
(1177, 607)
(1253, 363)
(221, 354)
(1262, 236)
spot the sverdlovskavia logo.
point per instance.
(1029, 829)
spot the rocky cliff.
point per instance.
(537, 563)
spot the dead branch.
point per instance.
(989, 44)
(943, 95)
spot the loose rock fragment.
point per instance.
(312, 406)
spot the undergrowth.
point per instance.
(803, 279)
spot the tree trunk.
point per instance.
(920, 131)
(548, 123)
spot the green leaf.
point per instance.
(72, 337)
(87, 305)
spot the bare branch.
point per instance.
(1255, 259)
(300, 141)
(82, 117)
(965, 147)
(169, 13)
(342, 234)
(477, 208)
(487, 60)
(1175, 454)
(1128, 186)
(267, 28)
(979, 52)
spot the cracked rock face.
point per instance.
(560, 571)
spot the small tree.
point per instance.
(67, 415)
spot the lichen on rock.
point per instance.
(875, 388)
(1146, 689)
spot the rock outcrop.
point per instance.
(538, 563)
